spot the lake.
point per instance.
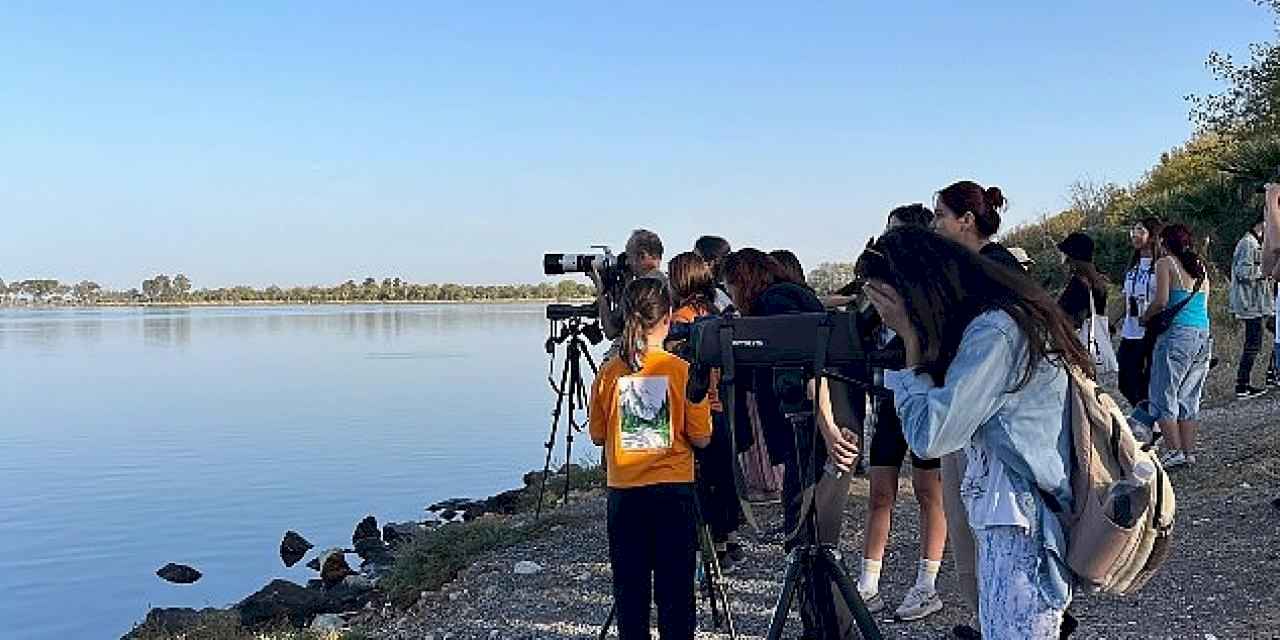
(131, 438)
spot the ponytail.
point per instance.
(645, 303)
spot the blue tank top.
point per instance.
(1195, 314)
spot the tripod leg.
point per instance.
(710, 572)
(863, 618)
(608, 622)
(790, 582)
(551, 440)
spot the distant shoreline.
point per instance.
(294, 303)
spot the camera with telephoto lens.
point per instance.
(614, 270)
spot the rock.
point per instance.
(327, 622)
(179, 573)
(354, 592)
(293, 548)
(280, 601)
(314, 564)
(1275, 503)
(367, 529)
(533, 479)
(397, 533)
(334, 567)
(176, 621)
(507, 502)
(526, 568)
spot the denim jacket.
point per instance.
(1024, 429)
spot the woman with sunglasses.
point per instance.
(986, 352)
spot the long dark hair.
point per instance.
(750, 272)
(692, 282)
(1153, 226)
(945, 286)
(1180, 244)
(1087, 271)
(645, 303)
(968, 196)
(790, 265)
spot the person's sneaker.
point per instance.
(875, 603)
(1191, 459)
(1248, 391)
(966, 632)
(1173, 459)
(736, 554)
(919, 603)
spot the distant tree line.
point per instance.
(178, 289)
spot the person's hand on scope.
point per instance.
(893, 312)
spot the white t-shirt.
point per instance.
(1139, 287)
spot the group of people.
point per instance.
(978, 407)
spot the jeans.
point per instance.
(1249, 354)
(1179, 367)
(652, 546)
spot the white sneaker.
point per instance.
(919, 603)
(1173, 459)
(875, 604)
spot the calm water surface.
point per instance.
(130, 438)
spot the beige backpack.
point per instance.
(1105, 556)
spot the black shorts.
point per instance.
(889, 446)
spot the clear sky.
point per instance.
(309, 142)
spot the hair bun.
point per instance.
(995, 198)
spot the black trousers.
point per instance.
(1135, 370)
(717, 493)
(652, 545)
(1249, 354)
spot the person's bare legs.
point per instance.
(1172, 431)
(1187, 435)
(884, 493)
(933, 519)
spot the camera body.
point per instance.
(614, 269)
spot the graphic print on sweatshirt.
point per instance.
(644, 410)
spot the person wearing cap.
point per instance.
(1023, 257)
(1086, 293)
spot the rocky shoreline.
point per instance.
(341, 597)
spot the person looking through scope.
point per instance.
(647, 427)
(760, 287)
(643, 259)
(986, 351)
(968, 214)
(713, 250)
(888, 451)
(694, 288)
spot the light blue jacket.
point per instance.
(1024, 428)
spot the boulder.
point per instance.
(527, 568)
(352, 594)
(293, 548)
(507, 502)
(178, 621)
(178, 573)
(367, 529)
(334, 567)
(397, 533)
(328, 623)
(282, 601)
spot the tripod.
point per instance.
(714, 589)
(812, 564)
(572, 390)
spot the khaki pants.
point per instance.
(963, 549)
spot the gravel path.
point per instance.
(1223, 580)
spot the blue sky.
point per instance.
(304, 143)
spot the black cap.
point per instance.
(1077, 246)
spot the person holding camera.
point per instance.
(1180, 357)
(888, 451)
(986, 352)
(694, 288)
(760, 287)
(641, 417)
(1251, 304)
(643, 256)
